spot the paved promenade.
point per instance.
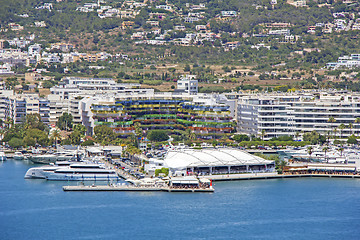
(254, 176)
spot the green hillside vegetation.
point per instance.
(89, 33)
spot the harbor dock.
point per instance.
(259, 176)
(128, 188)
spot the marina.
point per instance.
(250, 209)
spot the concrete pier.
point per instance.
(236, 177)
(133, 189)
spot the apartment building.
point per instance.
(203, 114)
(91, 86)
(314, 113)
(286, 114)
(18, 106)
(4, 96)
(266, 116)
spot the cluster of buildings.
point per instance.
(343, 21)
(29, 53)
(94, 102)
(352, 61)
(192, 21)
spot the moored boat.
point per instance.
(2, 156)
(39, 172)
(73, 172)
(52, 158)
(18, 156)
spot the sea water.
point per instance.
(303, 208)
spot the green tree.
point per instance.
(341, 128)
(15, 142)
(326, 149)
(241, 137)
(350, 126)
(262, 134)
(314, 138)
(332, 120)
(357, 123)
(80, 128)
(190, 135)
(75, 137)
(282, 165)
(34, 121)
(187, 68)
(9, 122)
(157, 135)
(29, 141)
(352, 139)
(310, 152)
(88, 142)
(104, 134)
(39, 136)
(65, 121)
(55, 135)
(341, 150)
(165, 171)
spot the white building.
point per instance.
(93, 85)
(188, 84)
(267, 115)
(228, 13)
(21, 105)
(276, 115)
(219, 161)
(345, 62)
(34, 49)
(4, 96)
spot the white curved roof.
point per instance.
(180, 159)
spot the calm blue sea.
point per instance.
(262, 209)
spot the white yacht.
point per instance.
(58, 156)
(18, 156)
(73, 172)
(39, 172)
(2, 156)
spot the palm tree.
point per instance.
(310, 151)
(297, 134)
(263, 134)
(190, 135)
(332, 120)
(357, 122)
(350, 126)
(283, 165)
(138, 129)
(2, 132)
(335, 132)
(9, 122)
(132, 139)
(325, 149)
(193, 136)
(328, 135)
(341, 151)
(56, 135)
(341, 127)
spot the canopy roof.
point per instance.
(210, 157)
